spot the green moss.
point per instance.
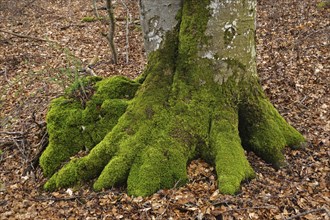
(89, 19)
(264, 131)
(324, 4)
(139, 126)
(50, 185)
(117, 87)
(234, 63)
(63, 125)
(99, 119)
(73, 128)
(157, 168)
(88, 167)
(230, 161)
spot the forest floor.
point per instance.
(294, 67)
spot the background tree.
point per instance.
(112, 27)
(198, 97)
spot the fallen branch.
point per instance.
(34, 162)
(58, 199)
(6, 142)
(222, 202)
(72, 25)
(308, 212)
(20, 144)
(13, 133)
(4, 72)
(3, 202)
(41, 125)
(248, 208)
(19, 11)
(29, 37)
(16, 139)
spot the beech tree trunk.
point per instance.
(198, 97)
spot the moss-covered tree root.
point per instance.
(73, 127)
(188, 106)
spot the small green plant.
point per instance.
(137, 27)
(82, 89)
(68, 75)
(1, 152)
(324, 4)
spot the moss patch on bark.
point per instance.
(263, 130)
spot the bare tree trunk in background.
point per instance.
(112, 26)
(128, 21)
(96, 13)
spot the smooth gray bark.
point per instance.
(157, 17)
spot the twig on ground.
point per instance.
(4, 72)
(29, 37)
(34, 162)
(6, 142)
(168, 204)
(308, 212)
(100, 8)
(41, 125)
(3, 202)
(72, 25)
(17, 139)
(58, 199)
(248, 208)
(20, 144)
(19, 11)
(222, 202)
(323, 29)
(13, 133)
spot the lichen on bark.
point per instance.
(198, 98)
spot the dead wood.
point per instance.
(29, 37)
(308, 212)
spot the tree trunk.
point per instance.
(199, 97)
